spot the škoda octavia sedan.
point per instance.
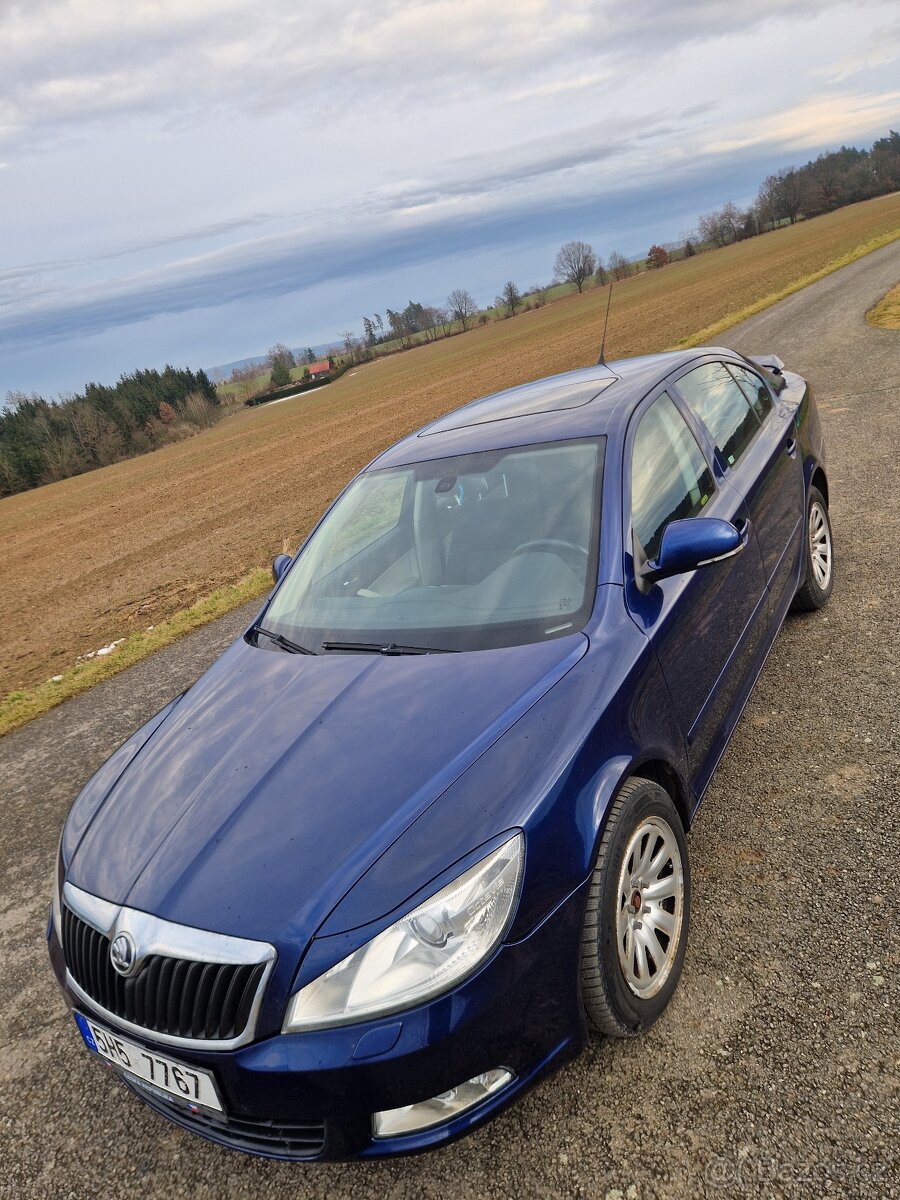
(422, 827)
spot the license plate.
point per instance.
(188, 1084)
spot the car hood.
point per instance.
(279, 779)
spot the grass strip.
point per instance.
(20, 707)
(705, 336)
(886, 313)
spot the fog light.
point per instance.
(394, 1122)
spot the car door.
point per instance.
(705, 624)
(757, 450)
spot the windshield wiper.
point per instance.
(384, 648)
(280, 640)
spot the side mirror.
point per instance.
(280, 565)
(696, 542)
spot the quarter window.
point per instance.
(754, 389)
(722, 407)
(670, 478)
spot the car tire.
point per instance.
(625, 989)
(819, 552)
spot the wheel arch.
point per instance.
(621, 770)
(664, 774)
(820, 480)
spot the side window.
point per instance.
(670, 478)
(754, 389)
(722, 407)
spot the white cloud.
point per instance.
(815, 122)
(556, 87)
(880, 49)
(81, 61)
(179, 161)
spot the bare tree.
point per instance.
(198, 410)
(826, 183)
(539, 292)
(95, 433)
(712, 229)
(510, 298)
(619, 266)
(600, 272)
(792, 193)
(733, 221)
(767, 200)
(244, 380)
(444, 318)
(10, 479)
(575, 263)
(351, 346)
(429, 322)
(463, 307)
(61, 457)
(782, 195)
(280, 353)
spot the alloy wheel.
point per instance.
(650, 907)
(819, 545)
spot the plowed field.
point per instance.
(96, 557)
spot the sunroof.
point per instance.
(543, 396)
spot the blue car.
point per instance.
(351, 907)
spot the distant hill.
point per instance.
(223, 370)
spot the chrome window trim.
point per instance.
(153, 935)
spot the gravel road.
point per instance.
(775, 1071)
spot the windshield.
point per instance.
(481, 550)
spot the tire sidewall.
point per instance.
(635, 1013)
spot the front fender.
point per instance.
(553, 774)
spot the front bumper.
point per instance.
(312, 1095)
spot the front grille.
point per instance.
(176, 996)
(276, 1139)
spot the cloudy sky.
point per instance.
(193, 180)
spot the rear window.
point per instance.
(754, 389)
(715, 397)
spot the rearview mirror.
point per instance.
(696, 542)
(280, 565)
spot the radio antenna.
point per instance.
(601, 360)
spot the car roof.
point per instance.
(588, 402)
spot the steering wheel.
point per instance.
(571, 553)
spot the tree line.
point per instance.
(840, 177)
(831, 181)
(43, 441)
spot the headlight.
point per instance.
(423, 954)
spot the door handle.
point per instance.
(791, 447)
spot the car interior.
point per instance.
(497, 537)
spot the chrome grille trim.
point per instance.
(156, 937)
